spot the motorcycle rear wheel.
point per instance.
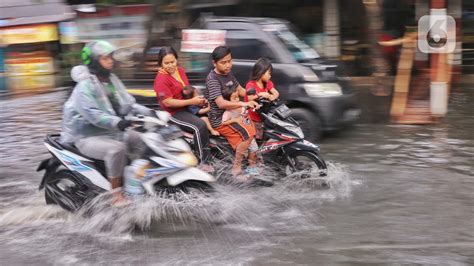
(63, 188)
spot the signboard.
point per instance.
(122, 31)
(29, 34)
(69, 32)
(201, 41)
(29, 66)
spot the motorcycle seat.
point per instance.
(53, 139)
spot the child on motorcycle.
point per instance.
(240, 116)
(260, 81)
(191, 92)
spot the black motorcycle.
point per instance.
(282, 147)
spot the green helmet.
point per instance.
(93, 50)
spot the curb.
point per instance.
(19, 93)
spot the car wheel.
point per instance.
(309, 122)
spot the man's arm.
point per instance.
(241, 90)
(227, 105)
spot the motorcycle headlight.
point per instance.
(187, 158)
(322, 89)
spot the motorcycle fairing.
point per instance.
(75, 163)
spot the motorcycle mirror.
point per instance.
(251, 91)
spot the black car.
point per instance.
(320, 97)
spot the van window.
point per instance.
(248, 49)
(300, 50)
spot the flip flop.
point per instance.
(242, 178)
(252, 171)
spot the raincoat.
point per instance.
(89, 112)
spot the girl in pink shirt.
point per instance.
(260, 81)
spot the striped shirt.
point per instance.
(215, 84)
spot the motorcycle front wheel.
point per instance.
(305, 164)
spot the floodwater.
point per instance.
(400, 195)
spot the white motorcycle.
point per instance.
(72, 179)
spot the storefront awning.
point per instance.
(25, 12)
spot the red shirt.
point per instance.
(166, 86)
(253, 84)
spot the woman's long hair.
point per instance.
(164, 52)
(261, 66)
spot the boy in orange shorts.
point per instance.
(239, 134)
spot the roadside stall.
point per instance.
(31, 43)
(29, 56)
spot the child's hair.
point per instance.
(227, 93)
(188, 92)
(261, 66)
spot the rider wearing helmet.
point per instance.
(93, 116)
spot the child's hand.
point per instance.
(251, 104)
(204, 110)
(264, 94)
(199, 100)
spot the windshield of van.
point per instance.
(300, 50)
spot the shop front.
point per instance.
(29, 57)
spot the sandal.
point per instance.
(252, 171)
(241, 178)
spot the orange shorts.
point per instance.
(235, 133)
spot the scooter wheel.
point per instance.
(306, 164)
(64, 189)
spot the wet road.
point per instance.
(400, 195)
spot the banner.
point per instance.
(201, 41)
(69, 32)
(29, 34)
(29, 66)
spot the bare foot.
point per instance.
(236, 171)
(206, 168)
(119, 200)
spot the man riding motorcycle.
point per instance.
(93, 116)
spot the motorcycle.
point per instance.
(282, 147)
(72, 179)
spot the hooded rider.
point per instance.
(93, 116)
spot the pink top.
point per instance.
(253, 84)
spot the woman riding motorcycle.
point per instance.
(93, 116)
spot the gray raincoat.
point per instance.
(88, 112)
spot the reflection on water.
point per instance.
(3, 87)
(400, 194)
